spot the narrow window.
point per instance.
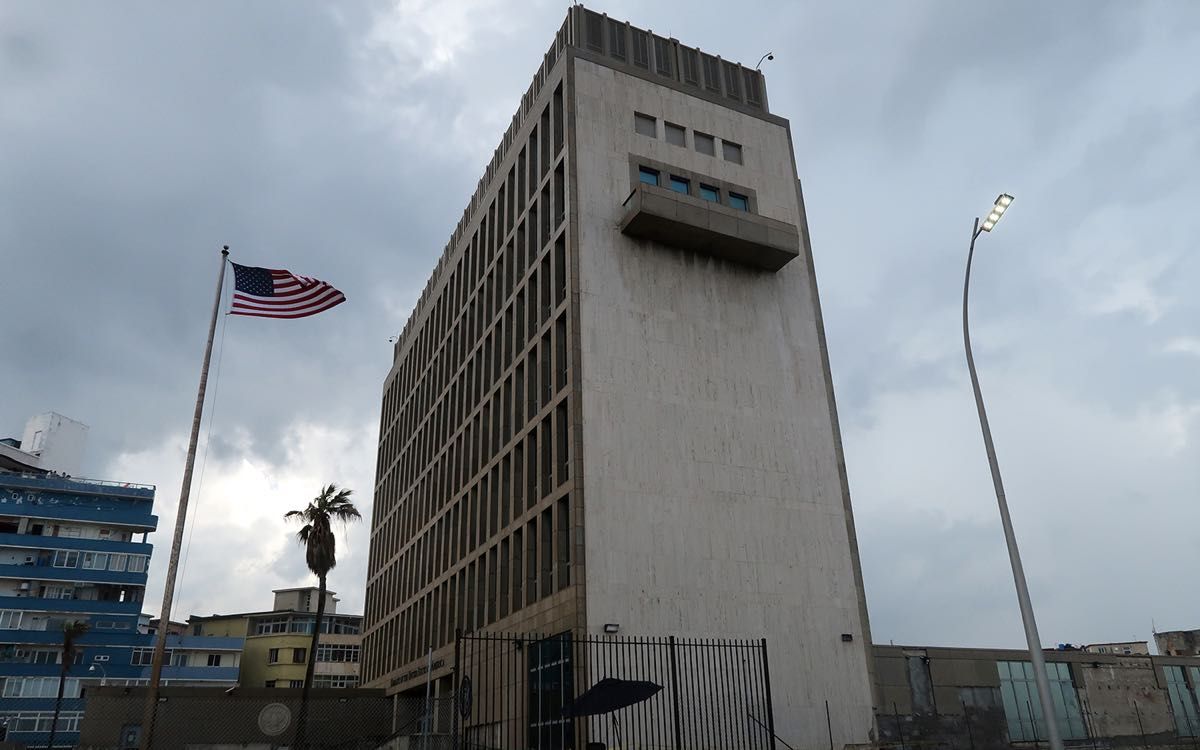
(676, 134)
(731, 151)
(740, 202)
(710, 193)
(705, 143)
(679, 184)
(645, 125)
(648, 175)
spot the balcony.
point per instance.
(36, 604)
(79, 485)
(691, 223)
(82, 575)
(37, 541)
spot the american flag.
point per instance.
(271, 293)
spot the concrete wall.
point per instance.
(951, 696)
(59, 442)
(713, 501)
(1178, 643)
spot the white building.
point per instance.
(612, 405)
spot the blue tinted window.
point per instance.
(679, 185)
(710, 193)
(648, 175)
(739, 202)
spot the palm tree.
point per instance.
(71, 632)
(320, 552)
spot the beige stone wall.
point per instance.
(713, 498)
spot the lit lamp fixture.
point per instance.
(998, 210)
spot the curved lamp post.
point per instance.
(1014, 555)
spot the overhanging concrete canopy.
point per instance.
(691, 223)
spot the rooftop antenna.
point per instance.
(768, 56)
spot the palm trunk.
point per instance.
(62, 683)
(302, 719)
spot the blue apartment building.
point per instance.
(75, 549)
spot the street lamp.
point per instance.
(1014, 556)
(103, 674)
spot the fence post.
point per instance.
(767, 681)
(675, 694)
(456, 719)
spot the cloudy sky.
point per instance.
(343, 142)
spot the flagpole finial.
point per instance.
(224, 249)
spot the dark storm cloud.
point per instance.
(343, 141)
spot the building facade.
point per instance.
(275, 654)
(1178, 642)
(75, 550)
(1121, 648)
(611, 408)
(986, 698)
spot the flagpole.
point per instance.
(164, 614)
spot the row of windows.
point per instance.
(488, 361)
(652, 176)
(288, 624)
(527, 565)
(39, 687)
(40, 721)
(16, 619)
(335, 681)
(294, 655)
(99, 561)
(290, 683)
(531, 468)
(339, 652)
(677, 135)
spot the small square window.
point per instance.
(648, 175)
(679, 184)
(299, 655)
(710, 193)
(705, 143)
(269, 683)
(676, 134)
(645, 125)
(214, 660)
(732, 152)
(740, 202)
(273, 656)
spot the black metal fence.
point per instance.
(512, 689)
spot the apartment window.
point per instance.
(137, 563)
(117, 562)
(65, 559)
(335, 681)
(95, 560)
(679, 184)
(731, 151)
(299, 655)
(273, 657)
(676, 134)
(645, 125)
(273, 625)
(710, 193)
(296, 683)
(648, 175)
(214, 660)
(144, 657)
(10, 619)
(740, 202)
(704, 142)
(59, 592)
(269, 683)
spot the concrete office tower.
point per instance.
(612, 403)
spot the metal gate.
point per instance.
(511, 689)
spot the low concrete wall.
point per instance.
(950, 697)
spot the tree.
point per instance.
(320, 552)
(71, 632)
